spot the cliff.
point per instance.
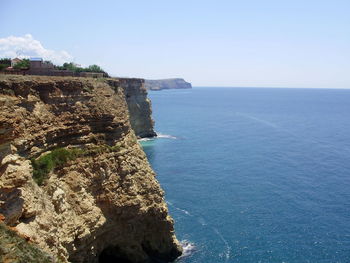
(138, 104)
(14, 248)
(167, 84)
(73, 178)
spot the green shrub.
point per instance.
(4, 63)
(45, 164)
(3, 66)
(77, 69)
(60, 156)
(22, 64)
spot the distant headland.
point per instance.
(175, 83)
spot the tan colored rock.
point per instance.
(139, 106)
(100, 205)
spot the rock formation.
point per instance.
(15, 248)
(138, 104)
(167, 84)
(102, 205)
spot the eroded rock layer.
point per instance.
(106, 203)
(138, 104)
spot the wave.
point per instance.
(183, 211)
(317, 143)
(166, 136)
(159, 136)
(267, 123)
(188, 248)
(227, 249)
(202, 221)
(146, 139)
(179, 209)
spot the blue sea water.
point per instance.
(255, 174)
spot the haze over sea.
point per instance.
(255, 174)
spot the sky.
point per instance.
(256, 43)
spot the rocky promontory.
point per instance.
(160, 84)
(140, 110)
(73, 178)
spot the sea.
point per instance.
(255, 174)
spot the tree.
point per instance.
(95, 68)
(4, 63)
(24, 64)
(72, 67)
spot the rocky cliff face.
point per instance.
(167, 84)
(105, 203)
(14, 248)
(138, 104)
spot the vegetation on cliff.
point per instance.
(46, 163)
(25, 64)
(14, 248)
(77, 69)
(60, 156)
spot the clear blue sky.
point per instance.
(293, 43)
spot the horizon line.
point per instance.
(266, 87)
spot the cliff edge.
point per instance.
(73, 178)
(167, 84)
(140, 109)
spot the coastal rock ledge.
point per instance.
(73, 178)
(160, 84)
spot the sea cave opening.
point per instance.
(112, 255)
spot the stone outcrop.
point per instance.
(16, 248)
(104, 205)
(139, 105)
(167, 84)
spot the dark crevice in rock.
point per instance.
(113, 255)
(156, 257)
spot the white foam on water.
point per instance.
(265, 122)
(273, 125)
(227, 248)
(184, 211)
(166, 136)
(146, 139)
(159, 135)
(188, 248)
(179, 209)
(202, 221)
(296, 136)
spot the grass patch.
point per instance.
(14, 248)
(60, 156)
(45, 164)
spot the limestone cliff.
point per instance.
(138, 104)
(14, 248)
(160, 84)
(102, 205)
